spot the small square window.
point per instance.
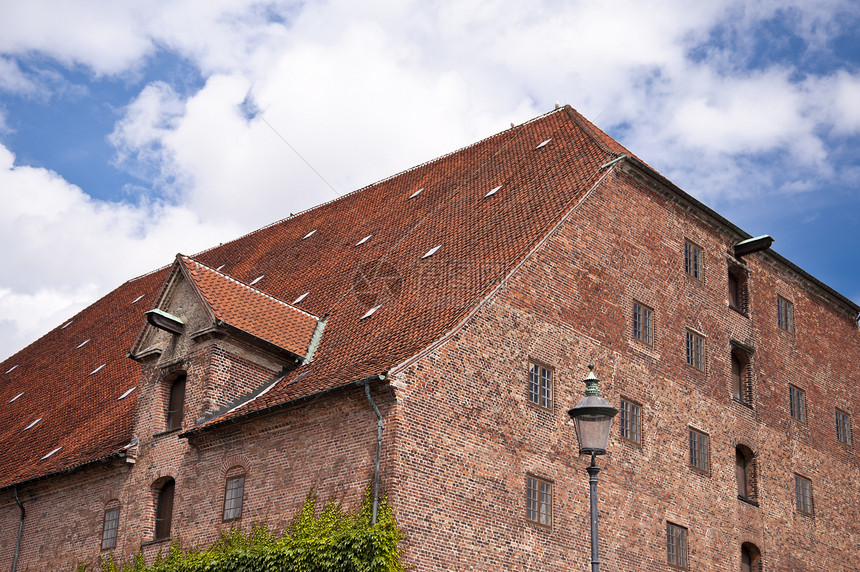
(676, 545)
(843, 427)
(784, 314)
(695, 350)
(631, 421)
(540, 385)
(539, 502)
(699, 450)
(693, 260)
(803, 494)
(797, 403)
(233, 497)
(643, 323)
(110, 528)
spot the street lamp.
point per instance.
(592, 419)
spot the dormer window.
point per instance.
(176, 403)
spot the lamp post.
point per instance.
(592, 419)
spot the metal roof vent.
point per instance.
(98, 369)
(431, 252)
(310, 234)
(11, 369)
(82, 344)
(135, 301)
(416, 193)
(370, 312)
(257, 279)
(51, 453)
(126, 394)
(544, 143)
(33, 424)
(16, 397)
(300, 298)
(493, 192)
(363, 240)
(69, 323)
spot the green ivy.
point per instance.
(333, 540)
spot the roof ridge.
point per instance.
(248, 287)
(380, 181)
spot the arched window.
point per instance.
(745, 473)
(164, 510)
(750, 558)
(176, 403)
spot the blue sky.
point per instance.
(132, 131)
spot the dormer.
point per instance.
(221, 337)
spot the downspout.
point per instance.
(378, 447)
(20, 530)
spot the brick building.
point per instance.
(461, 300)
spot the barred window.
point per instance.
(797, 403)
(784, 314)
(233, 493)
(843, 427)
(695, 350)
(693, 260)
(803, 494)
(699, 443)
(643, 323)
(540, 385)
(539, 503)
(631, 421)
(676, 545)
(110, 528)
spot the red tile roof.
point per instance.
(250, 310)
(421, 299)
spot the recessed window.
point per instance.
(695, 350)
(693, 260)
(784, 314)
(110, 528)
(234, 490)
(750, 558)
(539, 502)
(843, 427)
(745, 473)
(631, 421)
(643, 323)
(803, 494)
(738, 289)
(176, 403)
(540, 385)
(741, 377)
(699, 450)
(164, 510)
(797, 403)
(676, 545)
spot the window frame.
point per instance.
(785, 314)
(742, 385)
(803, 500)
(843, 428)
(643, 323)
(241, 498)
(677, 549)
(540, 505)
(699, 451)
(694, 260)
(111, 515)
(175, 410)
(624, 420)
(800, 406)
(738, 275)
(695, 350)
(540, 393)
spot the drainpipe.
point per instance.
(378, 447)
(20, 530)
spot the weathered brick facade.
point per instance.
(461, 434)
